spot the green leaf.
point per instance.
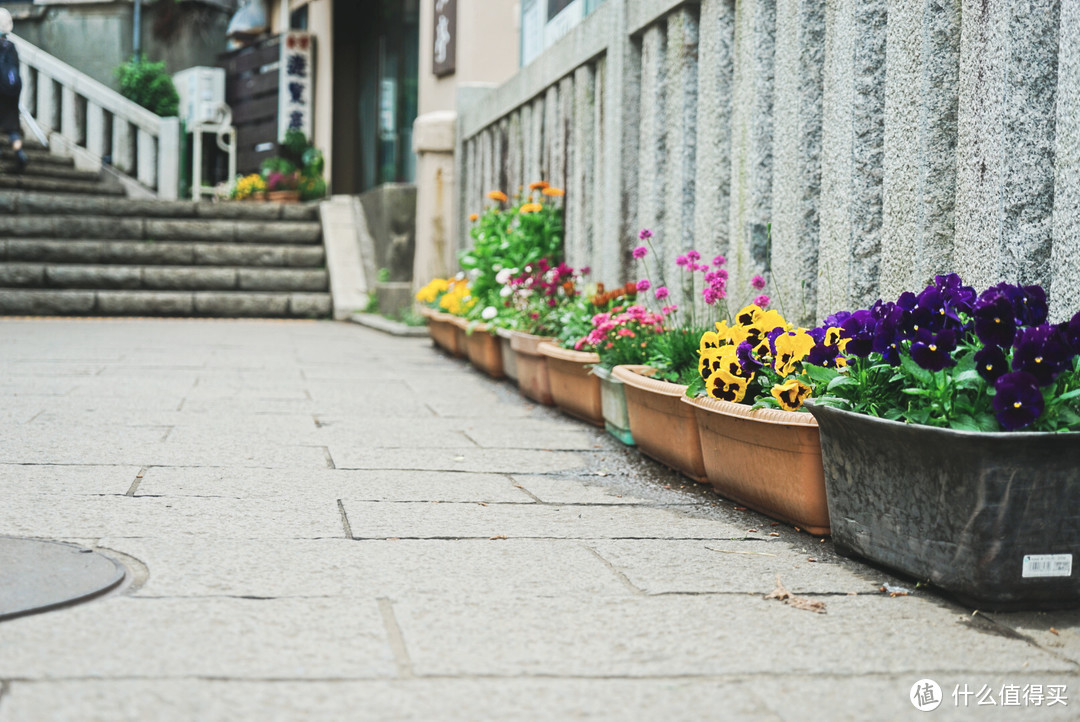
(968, 380)
(916, 371)
(917, 392)
(840, 382)
(893, 414)
(820, 374)
(1069, 395)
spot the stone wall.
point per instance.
(848, 149)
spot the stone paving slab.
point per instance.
(657, 566)
(381, 486)
(189, 518)
(223, 452)
(474, 521)
(500, 461)
(475, 570)
(701, 635)
(412, 700)
(607, 599)
(233, 638)
(16, 479)
(577, 489)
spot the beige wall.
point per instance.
(488, 34)
(487, 52)
(320, 19)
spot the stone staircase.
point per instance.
(73, 244)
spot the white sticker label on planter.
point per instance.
(1048, 565)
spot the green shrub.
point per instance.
(149, 85)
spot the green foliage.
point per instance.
(277, 164)
(508, 238)
(674, 354)
(149, 85)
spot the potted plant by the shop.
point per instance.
(508, 235)
(443, 301)
(662, 426)
(951, 442)
(571, 359)
(619, 337)
(760, 447)
(538, 295)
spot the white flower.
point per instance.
(460, 275)
(489, 313)
(505, 291)
(503, 276)
(474, 274)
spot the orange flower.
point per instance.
(553, 192)
(538, 185)
(497, 196)
(473, 217)
(531, 207)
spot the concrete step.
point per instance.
(166, 253)
(80, 227)
(161, 278)
(28, 182)
(164, 303)
(38, 156)
(21, 202)
(8, 167)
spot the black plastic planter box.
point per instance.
(992, 518)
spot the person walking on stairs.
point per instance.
(10, 88)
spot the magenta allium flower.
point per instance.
(682, 261)
(693, 255)
(710, 295)
(645, 234)
(719, 261)
(761, 301)
(669, 309)
(662, 293)
(757, 282)
(643, 284)
(640, 252)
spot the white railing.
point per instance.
(91, 123)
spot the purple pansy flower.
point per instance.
(1041, 352)
(933, 351)
(995, 322)
(1017, 400)
(991, 363)
(745, 353)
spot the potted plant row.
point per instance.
(949, 439)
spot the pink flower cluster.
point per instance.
(610, 327)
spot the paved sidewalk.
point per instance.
(327, 523)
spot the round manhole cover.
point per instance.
(39, 575)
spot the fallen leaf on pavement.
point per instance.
(501, 536)
(783, 595)
(1054, 631)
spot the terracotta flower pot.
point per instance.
(576, 391)
(284, 196)
(444, 333)
(664, 428)
(766, 459)
(532, 367)
(484, 350)
(613, 403)
(509, 358)
(460, 325)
